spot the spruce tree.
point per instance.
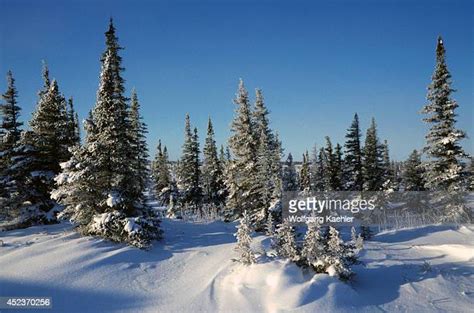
(413, 173)
(335, 256)
(445, 154)
(94, 185)
(244, 240)
(286, 241)
(265, 180)
(48, 143)
(313, 247)
(305, 182)
(313, 168)
(387, 178)
(353, 158)
(332, 167)
(139, 150)
(289, 175)
(10, 127)
(161, 174)
(189, 169)
(270, 226)
(212, 173)
(10, 132)
(320, 175)
(277, 169)
(372, 160)
(242, 173)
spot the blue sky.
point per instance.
(317, 62)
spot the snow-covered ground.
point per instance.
(419, 270)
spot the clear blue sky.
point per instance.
(317, 62)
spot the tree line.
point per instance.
(99, 184)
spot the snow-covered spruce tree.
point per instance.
(413, 173)
(10, 132)
(224, 160)
(261, 121)
(244, 240)
(268, 160)
(353, 247)
(339, 167)
(445, 154)
(139, 150)
(277, 169)
(242, 172)
(189, 172)
(305, 181)
(313, 167)
(285, 241)
(289, 175)
(212, 172)
(163, 183)
(332, 171)
(336, 256)
(313, 247)
(270, 226)
(388, 182)
(265, 180)
(94, 184)
(48, 144)
(372, 160)
(353, 158)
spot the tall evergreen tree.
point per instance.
(277, 167)
(242, 179)
(372, 159)
(388, 181)
(10, 131)
(413, 173)
(189, 170)
(320, 175)
(139, 150)
(212, 173)
(353, 158)
(10, 127)
(94, 185)
(161, 175)
(305, 182)
(445, 154)
(289, 175)
(313, 167)
(265, 179)
(49, 143)
(332, 169)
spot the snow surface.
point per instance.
(415, 270)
